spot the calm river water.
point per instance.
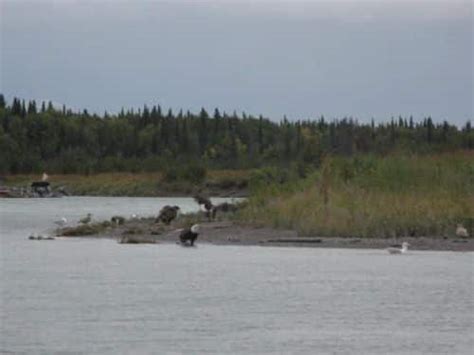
(96, 296)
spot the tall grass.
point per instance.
(369, 196)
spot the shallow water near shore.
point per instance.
(97, 296)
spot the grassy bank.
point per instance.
(373, 197)
(216, 183)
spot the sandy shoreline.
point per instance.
(230, 233)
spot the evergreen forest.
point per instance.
(36, 137)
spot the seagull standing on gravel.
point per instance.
(86, 219)
(61, 222)
(403, 250)
(461, 231)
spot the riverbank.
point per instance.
(218, 183)
(233, 233)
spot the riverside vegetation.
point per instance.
(317, 177)
(172, 182)
(368, 196)
(363, 196)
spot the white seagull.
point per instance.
(403, 250)
(61, 222)
(86, 219)
(461, 231)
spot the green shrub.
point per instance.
(194, 173)
(170, 174)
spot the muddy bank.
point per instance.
(231, 233)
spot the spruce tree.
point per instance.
(16, 107)
(203, 135)
(23, 109)
(217, 119)
(145, 116)
(31, 107)
(260, 134)
(429, 131)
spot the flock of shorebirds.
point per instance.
(61, 223)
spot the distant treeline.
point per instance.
(39, 137)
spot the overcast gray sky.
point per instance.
(300, 58)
